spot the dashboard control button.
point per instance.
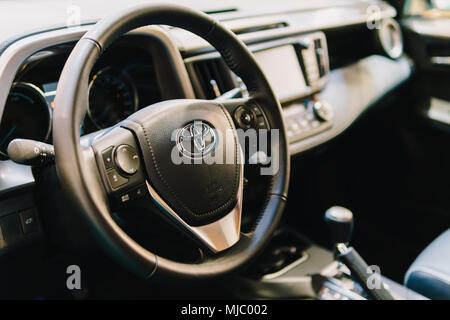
(115, 179)
(322, 110)
(11, 229)
(127, 159)
(28, 221)
(302, 122)
(107, 158)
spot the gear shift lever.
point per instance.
(340, 223)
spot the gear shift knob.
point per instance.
(340, 223)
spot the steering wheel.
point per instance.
(170, 155)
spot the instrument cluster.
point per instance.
(120, 83)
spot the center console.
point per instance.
(307, 118)
(293, 267)
(297, 79)
(314, 274)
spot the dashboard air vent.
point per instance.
(218, 11)
(211, 78)
(260, 27)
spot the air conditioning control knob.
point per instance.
(322, 110)
(126, 159)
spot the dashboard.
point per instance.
(307, 60)
(122, 81)
(125, 79)
(323, 81)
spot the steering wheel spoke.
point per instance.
(216, 236)
(252, 127)
(120, 166)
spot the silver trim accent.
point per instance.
(337, 286)
(289, 267)
(342, 248)
(437, 28)
(13, 176)
(443, 61)
(439, 110)
(391, 39)
(339, 214)
(217, 236)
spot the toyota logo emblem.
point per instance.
(196, 139)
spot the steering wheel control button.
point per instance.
(247, 118)
(115, 179)
(244, 117)
(127, 159)
(261, 123)
(138, 192)
(107, 158)
(256, 110)
(133, 194)
(28, 221)
(125, 197)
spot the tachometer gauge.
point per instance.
(26, 115)
(112, 97)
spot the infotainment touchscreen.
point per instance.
(282, 68)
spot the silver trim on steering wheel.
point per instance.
(217, 236)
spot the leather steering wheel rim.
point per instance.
(84, 187)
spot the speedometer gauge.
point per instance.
(26, 115)
(112, 97)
